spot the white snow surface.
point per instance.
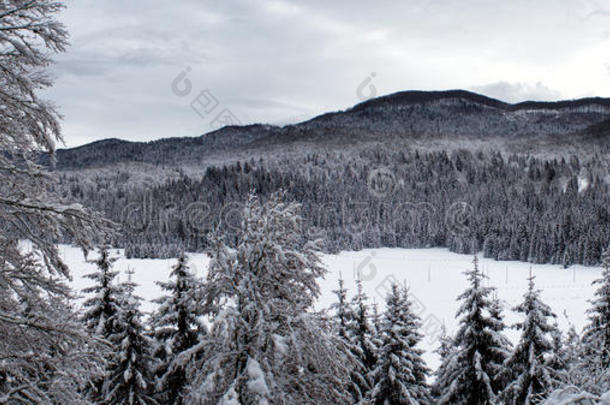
(435, 278)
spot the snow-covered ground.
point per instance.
(433, 275)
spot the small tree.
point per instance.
(362, 338)
(342, 310)
(102, 308)
(400, 373)
(530, 374)
(344, 317)
(596, 335)
(446, 351)
(129, 381)
(176, 327)
(480, 347)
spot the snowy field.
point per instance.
(433, 275)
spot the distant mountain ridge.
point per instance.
(403, 119)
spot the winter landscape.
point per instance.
(188, 219)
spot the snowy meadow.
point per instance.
(435, 278)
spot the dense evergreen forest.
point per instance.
(512, 207)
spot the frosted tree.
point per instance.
(504, 346)
(529, 371)
(480, 347)
(176, 327)
(342, 310)
(45, 352)
(265, 346)
(361, 335)
(103, 307)
(557, 360)
(344, 319)
(445, 350)
(46, 356)
(129, 381)
(376, 320)
(596, 334)
(400, 373)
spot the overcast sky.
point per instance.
(286, 61)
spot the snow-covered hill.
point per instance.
(434, 276)
(424, 119)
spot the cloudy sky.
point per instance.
(148, 69)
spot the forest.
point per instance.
(514, 207)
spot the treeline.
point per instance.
(262, 344)
(511, 207)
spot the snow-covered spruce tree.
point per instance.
(495, 313)
(362, 339)
(342, 310)
(557, 358)
(344, 318)
(129, 380)
(400, 373)
(528, 369)
(45, 353)
(264, 345)
(102, 308)
(445, 350)
(596, 334)
(480, 348)
(176, 327)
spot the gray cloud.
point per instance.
(276, 60)
(517, 92)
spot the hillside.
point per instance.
(441, 119)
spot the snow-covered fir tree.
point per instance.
(528, 368)
(480, 348)
(343, 313)
(176, 327)
(128, 381)
(362, 339)
(343, 317)
(504, 345)
(596, 334)
(557, 358)
(46, 355)
(376, 320)
(400, 373)
(445, 351)
(265, 346)
(102, 309)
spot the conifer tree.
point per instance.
(445, 350)
(596, 334)
(400, 373)
(129, 380)
(342, 310)
(362, 337)
(530, 373)
(557, 359)
(480, 346)
(504, 345)
(102, 309)
(176, 327)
